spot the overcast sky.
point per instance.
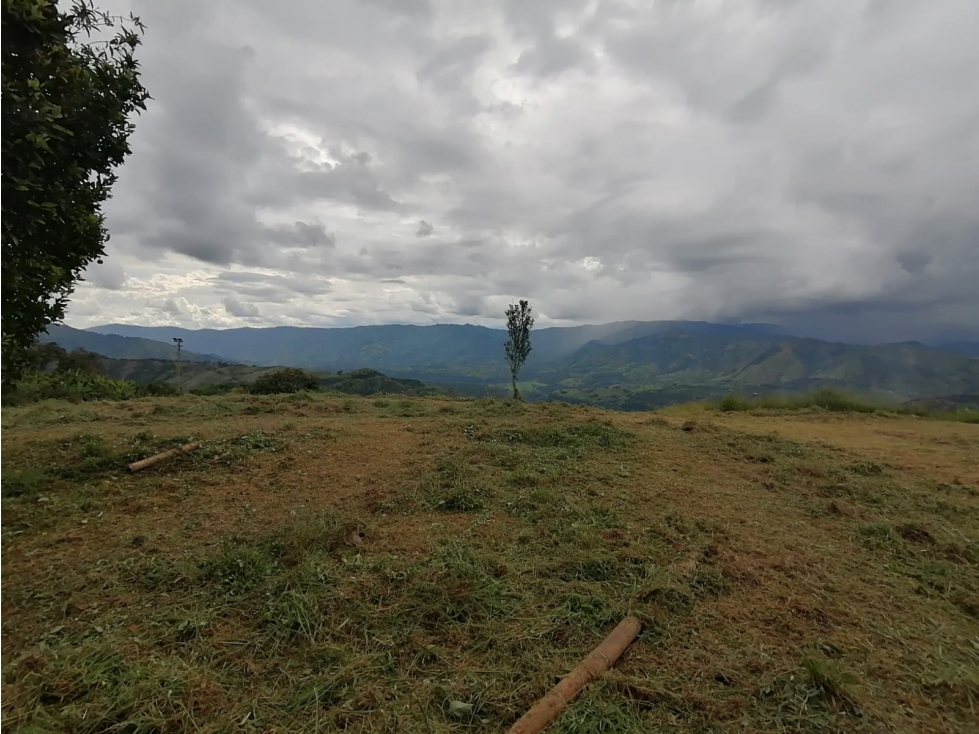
(813, 163)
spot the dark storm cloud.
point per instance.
(350, 180)
(471, 305)
(269, 287)
(196, 143)
(537, 19)
(731, 66)
(415, 9)
(302, 234)
(811, 163)
(234, 307)
(933, 320)
(108, 275)
(170, 307)
(551, 56)
(450, 67)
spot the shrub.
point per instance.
(157, 390)
(839, 402)
(78, 386)
(74, 386)
(734, 402)
(285, 380)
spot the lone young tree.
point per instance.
(519, 322)
(70, 86)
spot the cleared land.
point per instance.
(381, 565)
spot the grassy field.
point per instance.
(423, 565)
(957, 408)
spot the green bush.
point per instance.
(283, 381)
(156, 390)
(838, 402)
(734, 402)
(78, 386)
(73, 386)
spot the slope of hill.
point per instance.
(969, 349)
(785, 363)
(579, 363)
(118, 346)
(372, 382)
(192, 374)
(195, 375)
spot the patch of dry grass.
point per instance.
(432, 565)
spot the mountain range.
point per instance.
(623, 364)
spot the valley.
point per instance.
(625, 366)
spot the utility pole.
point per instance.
(180, 343)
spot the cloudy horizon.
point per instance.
(813, 164)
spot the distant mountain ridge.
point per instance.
(579, 363)
(119, 346)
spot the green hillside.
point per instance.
(195, 375)
(371, 382)
(192, 374)
(712, 363)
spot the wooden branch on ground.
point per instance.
(598, 661)
(157, 458)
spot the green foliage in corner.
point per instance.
(76, 386)
(70, 86)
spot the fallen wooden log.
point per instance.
(598, 661)
(163, 456)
